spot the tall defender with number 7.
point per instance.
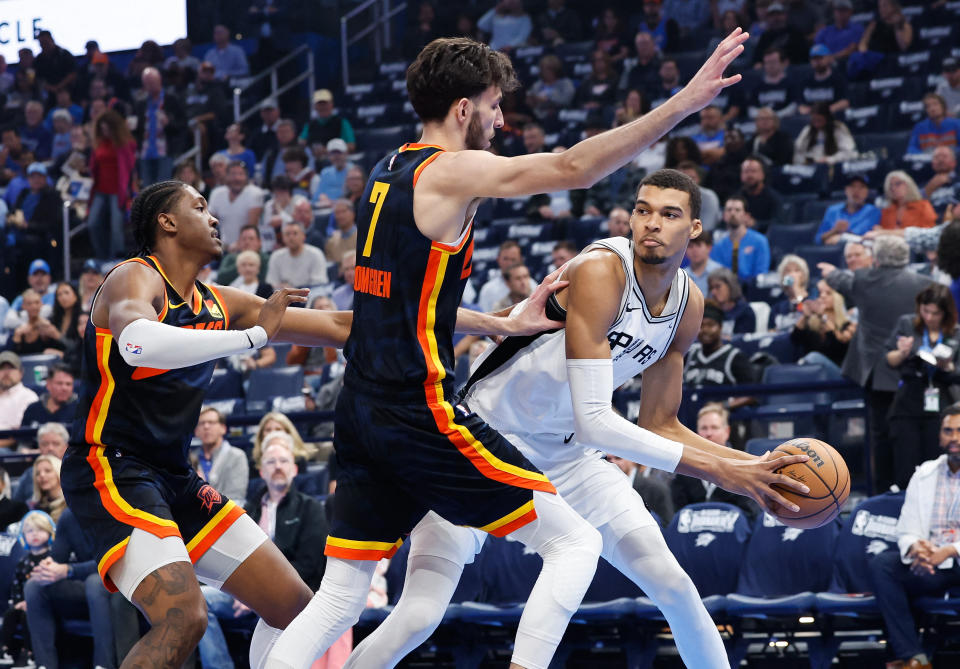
(405, 447)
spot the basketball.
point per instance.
(825, 473)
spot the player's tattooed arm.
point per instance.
(526, 318)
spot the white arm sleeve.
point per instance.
(598, 425)
(146, 343)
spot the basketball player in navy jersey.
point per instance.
(404, 446)
(153, 337)
(629, 309)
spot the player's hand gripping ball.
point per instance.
(825, 473)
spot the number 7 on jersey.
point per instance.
(377, 195)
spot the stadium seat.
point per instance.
(801, 179)
(783, 238)
(890, 89)
(874, 168)
(815, 253)
(791, 373)
(760, 445)
(866, 119)
(272, 383)
(888, 144)
(36, 368)
(226, 384)
(777, 345)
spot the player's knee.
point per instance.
(674, 586)
(420, 616)
(192, 619)
(584, 540)
(287, 609)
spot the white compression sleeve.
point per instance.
(598, 425)
(146, 343)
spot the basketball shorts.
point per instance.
(113, 494)
(400, 460)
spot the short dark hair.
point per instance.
(940, 296)
(155, 199)
(668, 178)
(282, 181)
(757, 158)
(948, 250)
(238, 163)
(252, 226)
(509, 244)
(951, 410)
(220, 417)
(448, 69)
(566, 244)
(295, 154)
(705, 237)
(63, 369)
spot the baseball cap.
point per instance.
(38, 265)
(775, 7)
(323, 95)
(90, 265)
(100, 57)
(950, 64)
(842, 4)
(10, 358)
(37, 168)
(863, 178)
(819, 50)
(337, 144)
(269, 103)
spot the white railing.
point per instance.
(379, 25)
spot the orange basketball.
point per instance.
(825, 473)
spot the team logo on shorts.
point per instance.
(208, 497)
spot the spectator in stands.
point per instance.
(701, 264)
(738, 317)
(343, 294)
(926, 562)
(235, 205)
(297, 264)
(303, 214)
(38, 277)
(762, 202)
(949, 88)
(326, 125)
(710, 137)
(508, 25)
(36, 535)
(551, 91)
(36, 334)
(67, 585)
(668, 84)
(228, 59)
(770, 141)
(679, 149)
(264, 137)
(496, 288)
(223, 466)
(744, 251)
(54, 65)
(187, 172)
(924, 349)
(207, 106)
(58, 404)
(825, 140)
(183, 56)
(354, 185)
(825, 84)
(653, 489)
(937, 129)
(52, 439)
(611, 35)
(332, 177)
(709, 200)
(11, 509)
(645, 73)
(563, 251)
(344, 238)
(906, 207)
(47, 494)
(279, 208)
(518, 282)
(61, 123)
(6, 77)
(712, 423)
(249, 266)
(880, 293)
(161, 123)
(780, 34)
(724, 175)
(842, 37)
(218, 171)
(890, 32)
(36, 137)
(111, 167)
(690, 15)
(794, 276)
(299, 170)
(558, 24)
(90, 279)
(598, 90)
(274, 421)
(37, 217)
(423, 29)
(295, 522)
(855, 216)
(824, 330)
(942, 188)
(634, 106)
(236, 149)
(664, 30)
(856, 255)
(776, 89)
(618, 223)
(14, 396)
(712, 362)
(150, 54)
(25, 88)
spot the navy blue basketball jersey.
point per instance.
(141, 411)
(407, 288)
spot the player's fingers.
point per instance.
(792, 483)
(781, 500)
(730, 81)
(783, 461)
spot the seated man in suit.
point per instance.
(928, 536)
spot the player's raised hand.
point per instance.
(755, 479)
(709, 80)
(530, 314)
(271, 313)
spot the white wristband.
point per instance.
(147, 343)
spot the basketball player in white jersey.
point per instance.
(629, 309)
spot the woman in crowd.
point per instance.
(274, 421)
(47, 494)
(824, 330)
(248, 275)
(738, 317)
(111, 166)
(925, 348)
(611, 35)
(680, 149)
(598, 90)
(769, 140)
(634, 106)
(187, 173)
(66, 310)
(11, 510)
(279, 208)
(906, 208)
(825, 140)
(552, 91)
(37, 334)
(794, 280)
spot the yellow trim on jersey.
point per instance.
(106, 561)
(364, 545)
(118, 499)
(108, 393)
(221, 514)
(509, 518)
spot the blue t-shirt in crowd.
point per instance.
(861, 221)
(753, 256)
(837, 39)
(247, 157)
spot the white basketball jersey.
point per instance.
(520, 385)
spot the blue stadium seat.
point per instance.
(790, 373)
(777, 345)
(760, 445)
(273, 382)
(801, 179)
(866, 119)
(226, 384)
(815, 253)
(889, 144)
(912, 63)
(36, 368)
(381, 140)
(893, 88)
(784, 237)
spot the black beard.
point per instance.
(653, 260)
(476, 140)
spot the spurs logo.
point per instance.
(208, 497)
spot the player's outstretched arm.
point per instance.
(306, 327)
(526, 318)
(468, 174)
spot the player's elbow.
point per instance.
(573, 171)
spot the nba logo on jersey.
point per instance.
(136, 349)
(214, 309)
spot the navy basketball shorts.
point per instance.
(400, 460)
